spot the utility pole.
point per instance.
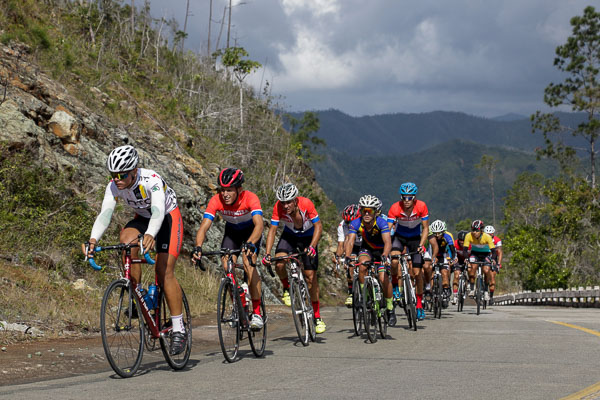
(209, 25)
(229, 24)
(187, 12)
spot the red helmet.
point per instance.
(350, 212)
(477, 225)
(231, 177)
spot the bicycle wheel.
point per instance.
(298, 313)
(382, 318)
(258, 338)
(357, 316)
(369, 311)
(309, 311)
(462, 287)
(122, 331)
(478, 293)
(228, 320)
(411, 307)
(178, 361)
(439, 296)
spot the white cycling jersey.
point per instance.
(149, 196)
(343, 230)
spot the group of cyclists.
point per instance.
(365, 234)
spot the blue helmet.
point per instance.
(408, 188)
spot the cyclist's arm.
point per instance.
(424, 232)
(499, 251)
(270, 238)
(201, 234)
(387, 244)
(435, 249)
(157, 208)
(350, 239)
(317, 233)
(103, 219)
(258, 228)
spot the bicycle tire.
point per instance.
(178, 361)
(411, 307)
(357, 317)
(122, 336)
(462, 287)
(298, 311)
(310, 312)
(369, 311)
(478, 293)
(439, 300)
(258, 338)
(382, 318)
(228, 320)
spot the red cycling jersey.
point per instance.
(307, 211)
(239, 214)
(408, 225)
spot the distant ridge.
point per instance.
(510, 117)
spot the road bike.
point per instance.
(479, 286)
(463, 281)
(437, 291)
(302, 309)
(409, 299)
(373, 303)
(233, 311)
(124, 334)
(357, 304)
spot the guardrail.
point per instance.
(574, 297)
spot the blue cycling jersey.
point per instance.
(371, 237)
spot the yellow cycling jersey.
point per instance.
(484, 244)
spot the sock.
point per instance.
(285, 283)
(419, 301)
(316, 305)
(177, 322)
(455, 291)
(256, 306)
(389, 303)
(394, 280)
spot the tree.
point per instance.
(488, 165)
(232, 58)
(301, 131)
(580, 59)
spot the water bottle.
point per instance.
(377, 293)
(150, 298)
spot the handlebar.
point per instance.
(121, 246)
(221, 252)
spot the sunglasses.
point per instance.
(119, 175)
(408, 198)
(368, 210)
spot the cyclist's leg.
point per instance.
(284, 247)
(168, 246)
(397, 248)
(129, 234)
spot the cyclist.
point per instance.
(157, 218)
(457, 268)
(479, 246)
(302, 229)
(242, 213)
(443, 252)
(496, 257)
(411, 219)
(350, 213)
(376, 246)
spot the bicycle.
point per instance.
(233, 313)
(373, 303)
(123, 336)
(437, 291)
(409, 299)
(302, 309)
(479, 286)
(357, 310)
(462, 288)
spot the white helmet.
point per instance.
(369, 200)
(437, 226)
(489, 229)
(124, 158)
(287, 192)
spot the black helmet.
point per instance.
(231, 177)
(461, 235)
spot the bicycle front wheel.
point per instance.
(228, 320)
(462, 287)
(439, 293)
(258, 338)
(298, 313)
(357, 316)
(309, 311)
(411, 307)
(178, 361)
(369, 311)
(382, 318)
(122, 329)
(479, 293)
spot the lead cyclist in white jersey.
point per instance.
(157, 218)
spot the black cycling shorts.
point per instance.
(289, 243)
(412, 244)
(169, 238)
(233, 239)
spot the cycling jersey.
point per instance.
(372, 238)
(149, 196)
(308, 213)
(408, 225)
(445, 244)
(237, 216)
(484, 244)
(497, 244)
(343, 230)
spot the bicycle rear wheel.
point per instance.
(298, 313)
(382, 318)
(462, 287)
(121, 329)
(357, 315)
(369, 311)
(258, 338)
(439, 299)
(479, 293)
(178, 361)
(228, 320)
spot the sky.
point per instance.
(485, 58)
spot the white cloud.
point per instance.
(316, 7)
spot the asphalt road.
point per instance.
(504, 353)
